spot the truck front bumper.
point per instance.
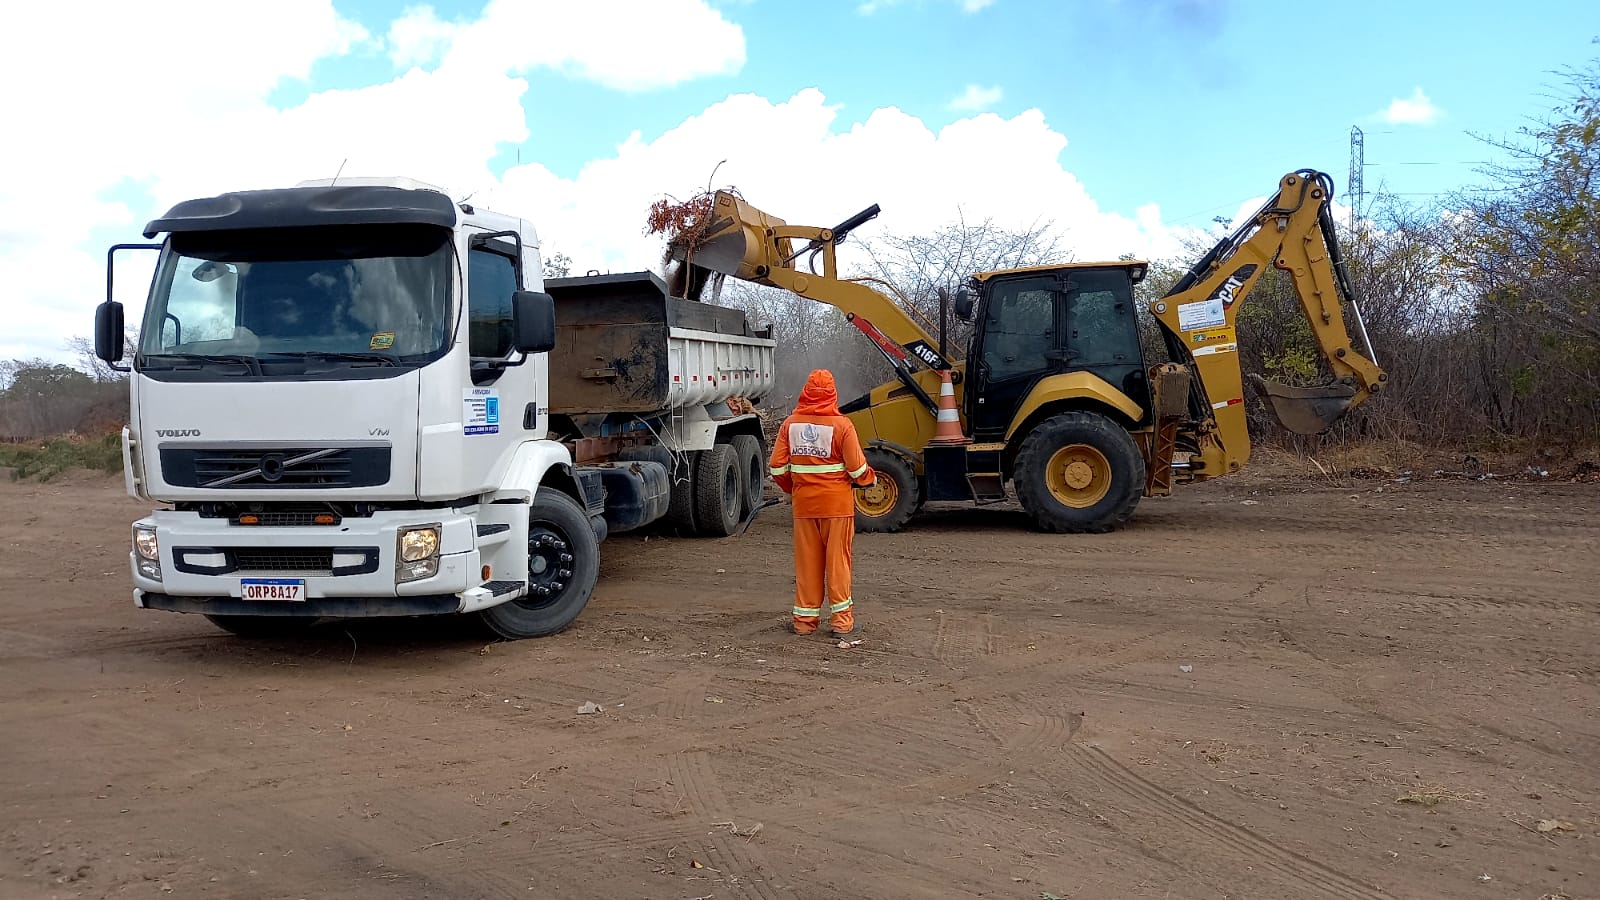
(348, 570)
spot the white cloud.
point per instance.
(976, 98)
(984, 166)
(418, 37)
(1414, 110)
(210, 128)
(972, 6)
(177, 106)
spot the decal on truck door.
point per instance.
(480, 411)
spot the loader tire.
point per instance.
(563, 566)
(264, 627)
(717, 492)
(1079, 472)
(889, 503)
(751, 458)
(680, 507)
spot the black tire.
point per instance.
(680, 508)
(563, 566)
(717, 492)
(1115, 458)
(751, 458)
(897, 485)
(264, 627)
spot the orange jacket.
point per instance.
(818, 454)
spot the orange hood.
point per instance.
(820, 397)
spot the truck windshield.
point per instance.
(278, 300)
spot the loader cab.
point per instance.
(1031, 324)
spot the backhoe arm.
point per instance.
(1293, 231)
(743, 242)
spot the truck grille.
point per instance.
(311, 561)
(276, 468)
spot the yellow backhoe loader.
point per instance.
(1054, 395)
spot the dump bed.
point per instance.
(623, 345)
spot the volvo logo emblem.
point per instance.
(272, 466)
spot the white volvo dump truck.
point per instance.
(363, 399)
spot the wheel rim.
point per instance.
(730, 489)
(549, 565)
(755, 478)
(1078, 475)
(879, 499)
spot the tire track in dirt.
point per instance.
(693, 775)
(686, 694)
(954, 641)
(1143, 801)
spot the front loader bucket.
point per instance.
(735, 240)
(1306, 410)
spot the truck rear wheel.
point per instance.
(1079, 472)
(889, 503)
(264, 627)
(680, 509)
(563, 566)
(717, 491)
(751, 458)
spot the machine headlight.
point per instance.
(147, 552)
(418, 554)
(144, 542)
(417, 544)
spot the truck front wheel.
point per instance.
(563, 566)
(1079, 472)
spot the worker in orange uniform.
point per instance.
(816, 459)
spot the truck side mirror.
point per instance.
(108, 331)
(533, 321)
(963, 305)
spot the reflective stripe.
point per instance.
(777, 470)
(842, 605)
(817, 470)
(800, 612)
(861, 471)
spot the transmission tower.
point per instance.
(1358, 163)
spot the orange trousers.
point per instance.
(822, 556)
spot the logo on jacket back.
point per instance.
(810, 439)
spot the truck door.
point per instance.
(1019, 341)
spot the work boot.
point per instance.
(852, 634)
(797, 629)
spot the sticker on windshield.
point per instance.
(383, 340)
(480, 411)
(1204, 314)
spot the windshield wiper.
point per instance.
(250, 363)
(340, 355)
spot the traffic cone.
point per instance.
(948, 428)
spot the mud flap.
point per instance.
(1305, 410)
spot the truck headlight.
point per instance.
(418, 553)
(147, 551)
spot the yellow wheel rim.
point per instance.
(879, 499)
(1078, 475)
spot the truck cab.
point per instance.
(340, 396)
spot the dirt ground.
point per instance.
(1262, 688)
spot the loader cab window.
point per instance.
(1019, 327)
(1102, 329)
(491, 282)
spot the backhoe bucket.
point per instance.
(735, 241)
(1305, 410)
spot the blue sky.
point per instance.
(1123, 123)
